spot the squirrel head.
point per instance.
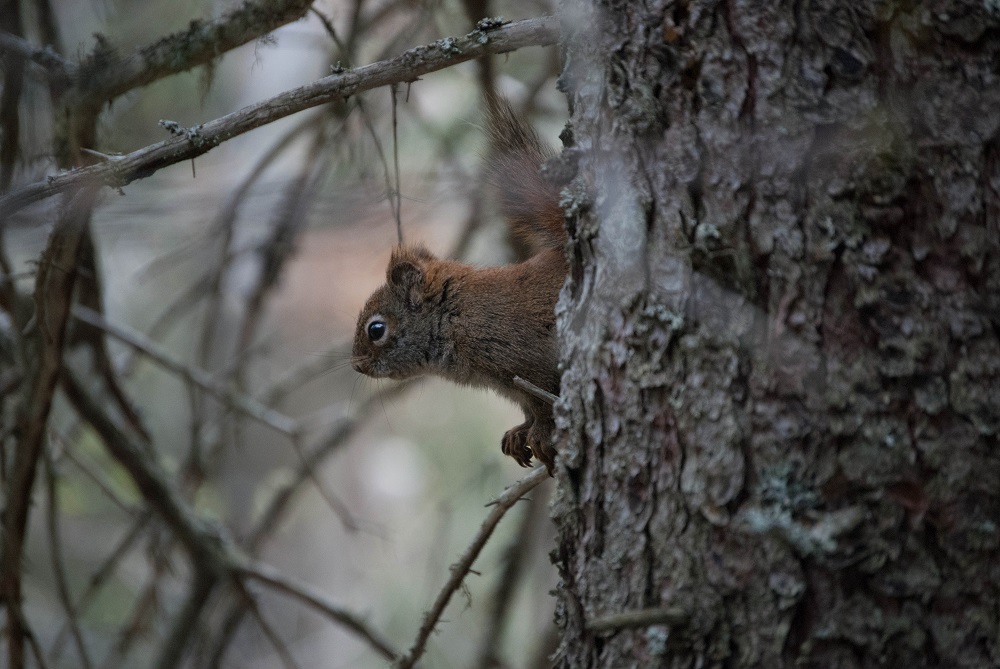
(394, 337)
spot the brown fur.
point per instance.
(528, 202)
(480, 326)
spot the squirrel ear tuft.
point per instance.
(421, 253)
(406, 273)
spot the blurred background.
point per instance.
(252, 264)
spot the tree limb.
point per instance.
(201, 540)
(500, 505)
(53, 295)
(104, 75)
(214, 556)
(188, 618)
(57, 67)
(193, 142)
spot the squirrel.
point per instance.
(482, 326)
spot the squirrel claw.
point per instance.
(514, 444)
(527, 440)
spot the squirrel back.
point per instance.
(527, 200)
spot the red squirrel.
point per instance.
(482, 326)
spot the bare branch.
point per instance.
(398, 210)
(640, 618)
(279, 503)
(232, 398)
(279, 646)
(516, 555)
(543, 395)
(10, 98)
(58, 564)
(55, 65)
(104, 74)
(99, 477)
(212, 554)
(53, 295)
(336, 438)
(305, 593)
(101, 576)
(200, 539)
(406, 67)
(500, 505)
(281, 246)
(188, 618)
(224, 225)
(330, 30)
(391, 192)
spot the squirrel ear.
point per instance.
(406, 275)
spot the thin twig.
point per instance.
(58, 564)
(330, 30)
(225, 223)
(277, 251)
(312, 368)
(395, 162)
(188, 618)
(148, 475)
(305, 593)
(100, 478)
(337, 505)
(281, 501)
(232, 398)
(406, 67)
(211, 553)
(337, 436)
(516, 554)
(99, 577)
(269, 631)
(391, 192)
(640, 618)
(500, 505)
(170, 317)
(543, 395)
(145, 605)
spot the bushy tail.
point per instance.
(527, 200)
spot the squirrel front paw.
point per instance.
(527, 440)
(515, 444)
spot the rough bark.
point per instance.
(779, 412)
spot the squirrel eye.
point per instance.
(376, 330)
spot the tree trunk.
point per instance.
(781, 402)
